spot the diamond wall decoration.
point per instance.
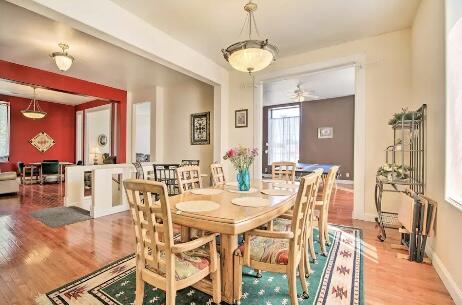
(42, 141)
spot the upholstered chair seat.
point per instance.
(268, 250)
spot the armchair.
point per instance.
(160, 262)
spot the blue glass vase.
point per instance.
(243, 180)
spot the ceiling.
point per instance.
(28, 38)
(20, 90)
(326, 84)
(295, 26)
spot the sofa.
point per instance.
(9, 183)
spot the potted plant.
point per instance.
(241, 158)
(393, 172)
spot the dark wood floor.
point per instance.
(35, 258)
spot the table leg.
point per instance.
(228, 245)
(185, 234)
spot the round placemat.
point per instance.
(206, 191)
(231, 183)
(197, 206)
(251, 202)
(235, 190)
(277, 192)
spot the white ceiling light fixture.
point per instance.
(250, 55)
(301, 95)
(62, 59)
(34, 111)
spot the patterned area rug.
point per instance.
(337, 279)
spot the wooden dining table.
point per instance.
(230, 220)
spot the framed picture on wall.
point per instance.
(325, 132)
(200, 128)
(241, 118)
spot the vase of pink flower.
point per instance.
(242, 158)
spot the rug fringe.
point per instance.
(42, 300)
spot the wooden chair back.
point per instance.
(189, 177)
(166, 173)
(218, 174)
(189, 162)
(328, 186)
(153, 223)
(283, 171)
(139, 170)
(303, 211)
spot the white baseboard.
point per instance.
(448, 281)
(345, 181)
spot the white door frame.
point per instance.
(359, 123)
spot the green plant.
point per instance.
(399, 171)
(404, 115)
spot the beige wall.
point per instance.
(180, 101)
(387, 90)
(428, 84)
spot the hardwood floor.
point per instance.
(35, 258)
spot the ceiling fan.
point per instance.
(301, 95)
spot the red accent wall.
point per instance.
(59, 123)
(33, 76)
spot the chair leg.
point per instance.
(237, 277)
(139, 293)
(293, 285)
(326, 233)
(302, 275)
(311, 246)
(321, 236)
(305, 258)
(216, 283)
(170, 293)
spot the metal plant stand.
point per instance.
(407, 151)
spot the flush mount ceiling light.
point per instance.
(62, 59)
(300, 95)
(34, 111)
(250, 55)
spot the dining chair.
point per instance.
(50, 169)
(283, 171)
(218, 174)
(322, 207)
(283, 223)
(189, 162)
(139, 170)
(27, 172)
(166, 173)
(159, 261)
(189, 177)
(281, 251)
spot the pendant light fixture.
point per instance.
(34, 111)
(62, 59)
(250, 55)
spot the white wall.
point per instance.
(97, 122)
(428, 84)
(387, 89)
(180, 101)
(142, 125)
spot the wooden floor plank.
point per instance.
(35, 258)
